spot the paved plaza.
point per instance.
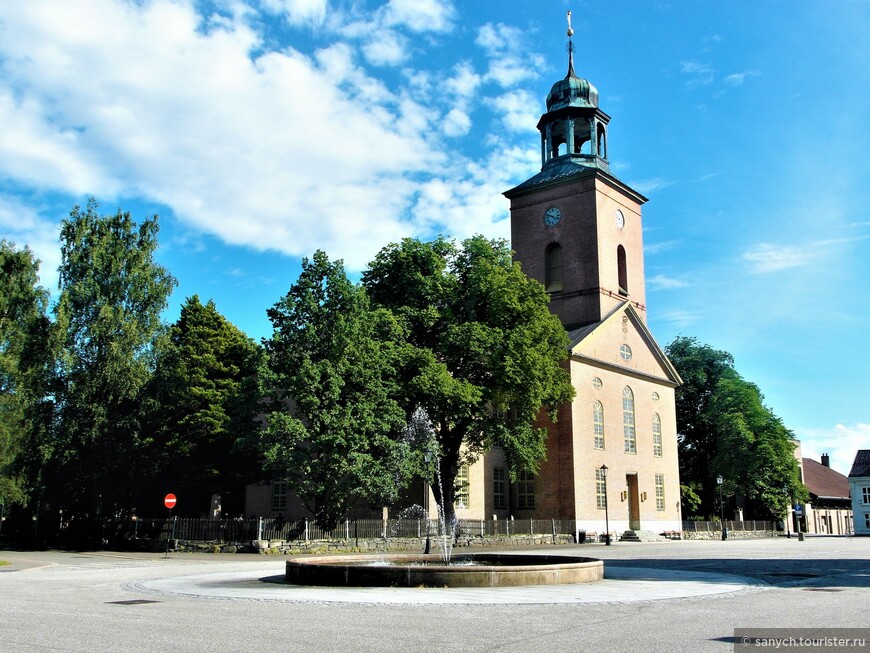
(669, 596)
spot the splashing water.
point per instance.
(421, 435)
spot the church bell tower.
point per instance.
(574, 226)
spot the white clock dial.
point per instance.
(620, 219)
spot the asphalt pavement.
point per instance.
(669, 596)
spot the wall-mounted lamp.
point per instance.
(623, 496)
(643, 496)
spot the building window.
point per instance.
(600, 490)
(623, 274)
(628, 420)
(553, 265)
(865, 495)
(525, 490)
(499, 488)
(657, 436)
(460, 501)
(660, 491)
(279, 495)
(867, 520)
(625, 352)
(598, 424)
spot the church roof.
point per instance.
(555, 170)
(823, 481)
(861, 466)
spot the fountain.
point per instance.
(443, 569)
(467, 570)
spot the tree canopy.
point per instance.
(23, 364)
(486, 354)
(107, 319)
(334, 418)
(724, 429)
(202, 405)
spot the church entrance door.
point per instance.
(633, 502)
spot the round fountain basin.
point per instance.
(467, 570)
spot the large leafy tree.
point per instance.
(334, 422)
(203, 403)
(24, 356)
(487, 355)
(724, 429)
(112, 293)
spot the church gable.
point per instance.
(622, 341)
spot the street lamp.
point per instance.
(606, 516)
(787, 519)
(719, 480)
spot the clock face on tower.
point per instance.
(552, 216)
(620, 219)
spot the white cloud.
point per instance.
(737, 79)
(421, 15)
(655, 248)
(699, 73)
(841, 442)
(298, 12)
(464, 81)
(389, 49)
(519, 110)
(766, 257)
(501, 43)
(650, 185)
(267, 148)
(456, 123)
(664, 282)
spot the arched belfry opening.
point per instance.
(622, 272)
(553, 266)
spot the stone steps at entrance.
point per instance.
(641, 536)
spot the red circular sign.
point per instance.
(169, 501)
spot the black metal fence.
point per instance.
(246, 530)
(739, 526)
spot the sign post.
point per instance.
(169, 501)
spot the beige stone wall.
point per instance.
(620, 464)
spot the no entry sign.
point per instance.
(169, 501)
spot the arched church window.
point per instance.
(598, 424)
(623, 274)
(657, 435)
(553, 264)
(628, 420)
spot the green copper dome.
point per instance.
(572, 91)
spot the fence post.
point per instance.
(554, 531)
(347, 529)
(531, 528)
(306, 529)
(259, 528)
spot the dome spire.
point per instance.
(570, 48)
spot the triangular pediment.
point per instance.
(604, 343)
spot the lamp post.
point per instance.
(719, 481)
(606, 515)
(787, 519)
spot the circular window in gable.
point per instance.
(625, 352)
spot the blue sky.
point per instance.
(260, 132)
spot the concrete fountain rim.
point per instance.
(508, 570)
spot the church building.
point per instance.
(612, 453)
